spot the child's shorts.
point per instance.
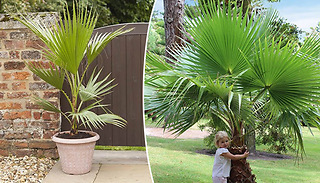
(219, 179)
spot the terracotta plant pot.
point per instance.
(76, 154)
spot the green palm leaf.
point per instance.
(99, 41)
(292, 81)
(220, 39)
(54, 76)
(66, 42)
(95, 89)
(46, 105)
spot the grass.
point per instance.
(175, 160)
(121, 148)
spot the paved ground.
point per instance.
(189, 134)
(118, 166)
(108, 166)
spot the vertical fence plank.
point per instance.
(119, 99)
(134, 88)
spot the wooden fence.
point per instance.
(124, 59)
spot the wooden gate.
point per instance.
(124, 59)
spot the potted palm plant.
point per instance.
(69, 42)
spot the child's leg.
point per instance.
(219, 179)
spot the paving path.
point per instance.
(189, 134)
(110, 167)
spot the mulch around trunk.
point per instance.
(258, 155)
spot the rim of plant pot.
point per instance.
(76, 141)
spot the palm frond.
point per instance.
(67, 42)
(99, 41)
(54, 75)
(94, 88)
(46, 105)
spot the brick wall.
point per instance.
(25, 129)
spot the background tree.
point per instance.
(156, 37)
(110, 11)
(173, 24)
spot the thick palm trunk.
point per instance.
(240, 169)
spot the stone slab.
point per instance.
(120, 157)
(123, 174)
(56, 175)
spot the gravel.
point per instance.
(26, 169)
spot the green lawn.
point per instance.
(175, 160)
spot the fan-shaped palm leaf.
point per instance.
(54, 76)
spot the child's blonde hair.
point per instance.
(220, 135)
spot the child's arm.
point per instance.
(235, 157)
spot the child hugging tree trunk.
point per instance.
(222, 158)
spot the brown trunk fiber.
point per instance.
(240, 169)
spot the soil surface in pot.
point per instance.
(80, 135)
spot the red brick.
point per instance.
(17, 115)
(30, 105)
(4, 152)
(42, 144)
(53, 153)
(6, 76)
(14, 44)
(22, 152)
(50, 116)
(54, 125)
(10, 105)
(12, 65)
(3, 35)
(36, 115)
(18, 95)
(21, 144)
(4, 144)
(3, 86)
(47, 134)
(21, 75)
(1, 95)
(36, 44)
(19, 86)
(43, 64)
(51, 94)
(14, 54)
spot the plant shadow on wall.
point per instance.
(235, 73)
(69, 42)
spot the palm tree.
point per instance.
(69, 41)
(234, 72)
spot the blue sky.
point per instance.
(303, 13)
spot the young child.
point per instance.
(222, 158)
